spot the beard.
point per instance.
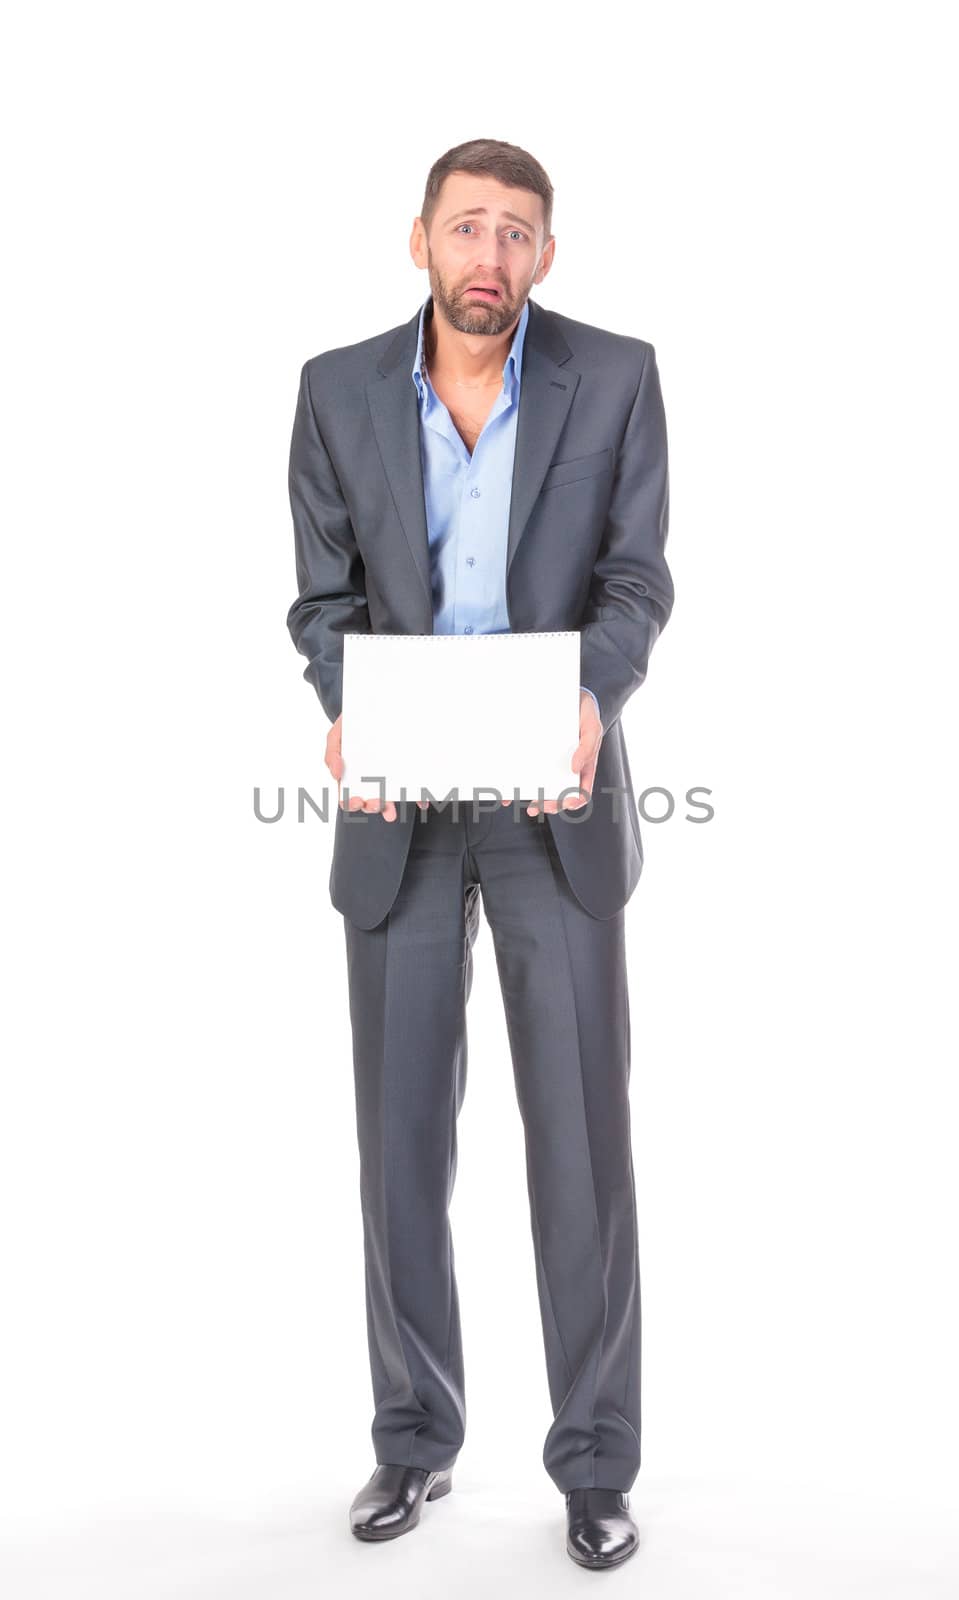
(474, 316)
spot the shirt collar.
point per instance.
(512, 366)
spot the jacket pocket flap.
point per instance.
(578, 467)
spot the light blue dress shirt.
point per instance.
(468, 499)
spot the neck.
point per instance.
(470, 360)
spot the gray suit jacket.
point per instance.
(587, 533)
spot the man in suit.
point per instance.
(491, 466)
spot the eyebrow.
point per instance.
(481, 211)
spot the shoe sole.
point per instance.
(436, 1492)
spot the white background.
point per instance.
(199, 198)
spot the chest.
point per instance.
(468, 409)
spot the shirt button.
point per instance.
(471, 561)
(475, 493)
(468, 629)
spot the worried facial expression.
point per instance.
(484, 252)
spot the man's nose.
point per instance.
(494, 267)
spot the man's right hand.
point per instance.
(334, 762)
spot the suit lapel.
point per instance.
(546, 393)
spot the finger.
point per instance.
(575, 802)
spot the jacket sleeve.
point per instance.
(329, 568)
(631, 594)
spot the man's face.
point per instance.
(483, 234)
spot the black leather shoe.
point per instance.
(600, 1531)
(391, 1502)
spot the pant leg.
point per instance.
(409, 982)
(564, 984)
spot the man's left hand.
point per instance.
(584, 760)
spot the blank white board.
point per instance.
(460, 712)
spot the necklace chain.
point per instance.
(459, 385)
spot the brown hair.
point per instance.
(490, 158)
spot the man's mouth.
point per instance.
(487, 294)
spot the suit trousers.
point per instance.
(562, 973)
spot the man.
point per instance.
(491, 466)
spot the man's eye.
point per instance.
(517, 232)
